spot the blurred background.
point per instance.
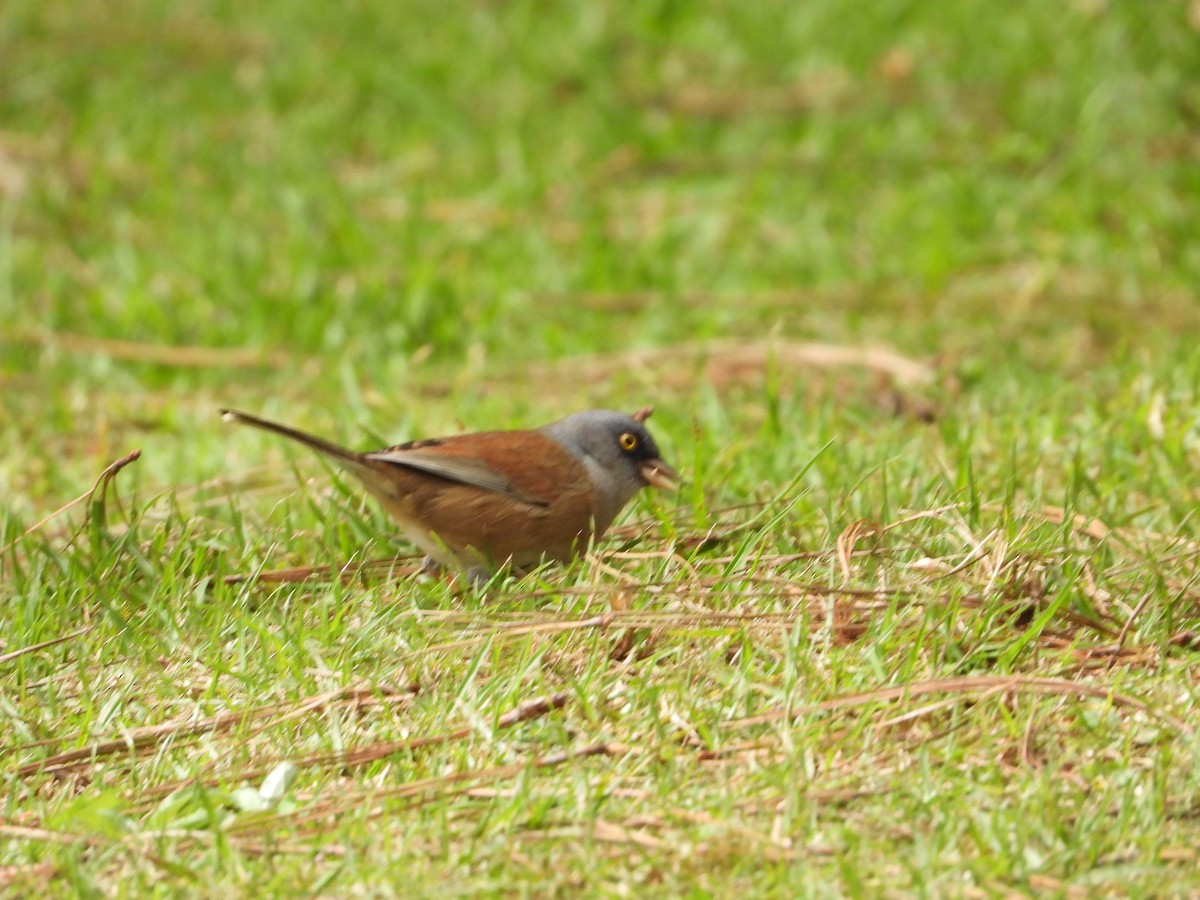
(407, 215)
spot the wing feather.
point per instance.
(462, 469)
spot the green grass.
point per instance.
(930, 635)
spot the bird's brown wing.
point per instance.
(464, 470)
(524, 465)
(548, 509)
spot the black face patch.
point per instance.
(637, 444)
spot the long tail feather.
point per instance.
(320, 445)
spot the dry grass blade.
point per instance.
(600, 830)
(33, 648)
(1099, 531)
(517, 629)
(96, 505)
(98, 499)
(138, 740)
(818, 88)
(143, 739)
(1133, 617)
(34, 873)
(45, 835)
(1093, 528)
(724, 358)
(984, 684)
(159, 354)
(763, 844)
(425, 789)
(849, 537)
(530, 709)
(664, 621)
(345, 571)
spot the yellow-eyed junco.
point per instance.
(477, 501)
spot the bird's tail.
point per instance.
(348, 458)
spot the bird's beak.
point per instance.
(657, 473)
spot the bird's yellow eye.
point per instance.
(628, 441)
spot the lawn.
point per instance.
(913, 289)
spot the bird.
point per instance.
(480, 502)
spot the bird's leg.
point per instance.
(478, 577)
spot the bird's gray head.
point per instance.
(619, 453)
